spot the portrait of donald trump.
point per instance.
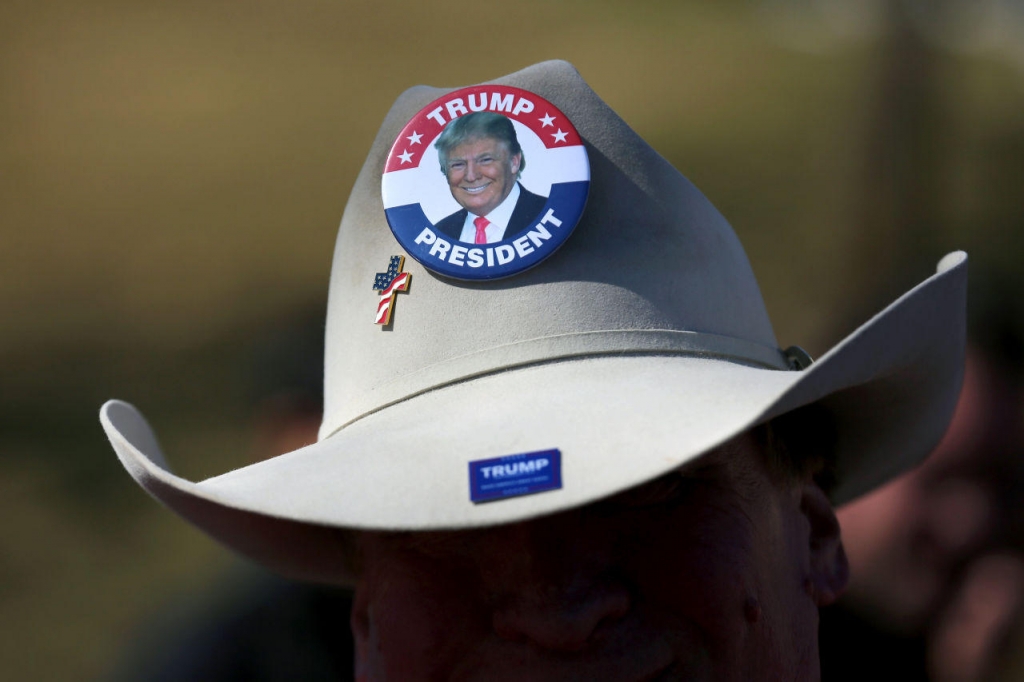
(482, 161)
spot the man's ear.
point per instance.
(830, 571)
(516, 162)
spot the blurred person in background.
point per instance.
(936, 556)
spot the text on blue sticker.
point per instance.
(514, 475)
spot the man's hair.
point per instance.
(800, 445)
(475, 126)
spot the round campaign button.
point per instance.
(485, 182)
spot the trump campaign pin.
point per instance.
(485, 182)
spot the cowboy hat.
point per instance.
(640, 344)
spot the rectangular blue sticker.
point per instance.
(514, 475)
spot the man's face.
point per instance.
(481, 173)
(710, 573)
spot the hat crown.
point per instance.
(652, 267)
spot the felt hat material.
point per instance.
(640, 344)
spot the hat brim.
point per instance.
(619, 421)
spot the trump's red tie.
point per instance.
(481, 229)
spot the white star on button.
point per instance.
(559, 136)
(547, 120)
(414, 138)
(406, 157)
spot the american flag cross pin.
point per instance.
(388, 284)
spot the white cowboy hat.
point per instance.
(641, 344)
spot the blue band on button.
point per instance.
(516, 253)
(514, 475)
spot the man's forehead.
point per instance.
(738, 464)
(744, 451)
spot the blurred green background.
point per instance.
(172, 175)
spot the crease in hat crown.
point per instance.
(652, 267)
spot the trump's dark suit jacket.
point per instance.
(527, 209)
